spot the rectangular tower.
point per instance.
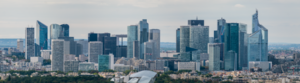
(95, 49)
(132, 35)
(155, 37)
(214, 56)
(42, 35)
(143, 31)
(57, 55)
(29, 41)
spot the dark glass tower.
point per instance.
(92, 37)
(196, 22)
(178, 40)
(65, 28)
(42, 35)
(110, 45)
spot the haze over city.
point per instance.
(279, 16)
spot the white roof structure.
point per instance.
(145, 76)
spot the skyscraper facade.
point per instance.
(143, 31)
(149, 50)
(42, 35)
(178, 40)
(136, 49)
(104, 62)
(92, 36)
(55, 32)
(199, 37)
(234, 41)
(196, 22)
(20, 45)
(221, 29)
(184, 43)
(258, 41)
(65, 30)
(84, 44)
(95, 48)
(155, 37)
(57, 55)
(29, 43)
(132, 35)
(121, 51)
(214, 56)
(110, 45)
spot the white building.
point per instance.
(95, 48)
(57, 55)
(69, 57)
(29, 43)
(36, 59)
(264, 65)
(45, 54)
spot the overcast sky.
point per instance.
(280, 17)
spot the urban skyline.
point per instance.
(271, 16)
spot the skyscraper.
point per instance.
(136, 49)
(110, 45)
(57, 55)
(258, 41)
(65, 30)
(178, 40)
(20, 45)
(155, 37)
(92, 36)
(221, 29)
(234, 41)
(184, 43)
(196, 22)
(55, 32)
(42, 35)
(149, 50)
(95, 48)
(29, 41)
(105, 62)
(199, 37)
(214, 56)
(69, 46)
(132, 35)
(121, 51)
(84, 44)
(143, 31)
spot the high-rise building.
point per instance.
(132, 35)
(178, 40)
(78, 49)
(234, 41)
(20, 45)
(120, 36)
(42, 35)
(45, 54)
(92, 36)
(57, 55)
(184, 43)
(149, 50)
(55, 32)
(231, 61)
(221, 29)
(258, 41)
(155, 37)
(70, 45)
(95, 48)
(214, 56)
(121, 51)
(29, 42)
(110, 45)
(37, 49)
(196, 22)
(65, 30)
(216, 36)
(84, 44)
(136, 49)
(143, 31)
(199, 37)
(101, 36)
(105, 62)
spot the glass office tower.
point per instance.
(132, 35)
(65, 28)
(221, 29)
(234, 41)
(143, 27)
(55, 32)
(258, 41)
(92, 37)
(103, 62)
(110, 45)
(42, 35)
(184, 43)
(199, 37)
(178, 40)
